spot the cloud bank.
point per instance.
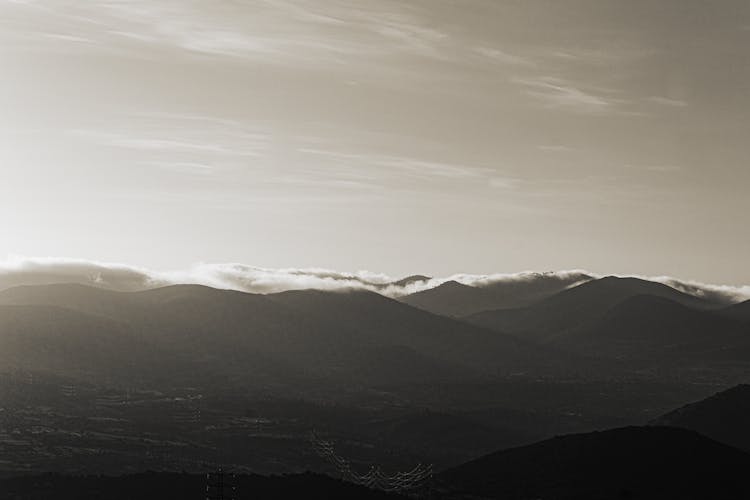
(18, 271)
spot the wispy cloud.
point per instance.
(232, 153)
(668, 101)
(163, 144)
(558, 148)
(182, 166)
(504, 182)
(67, 38)
(272, 31)
(503, 57)
(181, 143)
(665, 169)
(382, 167)
(554, 92)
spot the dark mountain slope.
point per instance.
(452, 299)
(723, 417)
(455, 299)
(366, 318)
(576, 306)
(658, 463)
(87, 299)
(739, 311)
(348, 337)
(445, 435)
(208, 334)
(655, 328)
(195, 300)
(69, 343)
(184, 313)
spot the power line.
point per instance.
(374, 478)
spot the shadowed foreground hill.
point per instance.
(447, 435)
(724, 417)
(159, 486)
(656, 463)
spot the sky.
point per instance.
(430, 136)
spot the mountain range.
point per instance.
(576, 306)
(293, 338)
(587, 338)
(456, 299)
(633, 320)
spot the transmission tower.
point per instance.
(220, 486)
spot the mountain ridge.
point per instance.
(456, 299)
(574, 306)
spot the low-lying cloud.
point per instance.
(716, 293)
(18, 271)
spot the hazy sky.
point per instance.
(401, 137)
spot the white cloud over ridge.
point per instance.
(16, 271)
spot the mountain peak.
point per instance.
(416, 278)
(454, 284)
